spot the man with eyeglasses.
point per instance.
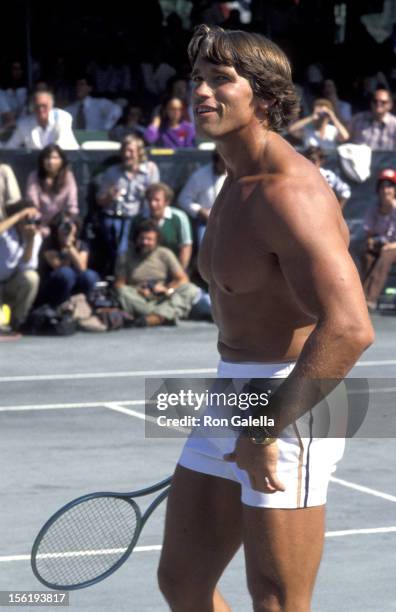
(376, 127)
(46, 125)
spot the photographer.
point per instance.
(64, 262)
(321, 129)
(20, 242)
(151, 283)
(52, 187)
(380, 227)
(121, 196)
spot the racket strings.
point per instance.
(86, 540)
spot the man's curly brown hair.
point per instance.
(258, 60)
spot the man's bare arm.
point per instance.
(307, 238)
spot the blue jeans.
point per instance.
(66, 281)
(115, 232)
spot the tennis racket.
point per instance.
(91, 537)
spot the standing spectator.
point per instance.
(322, 128)
(16, 90)
(201, 190)
(341, 190)
(121, 195)
(173, 224)
(47, 125)
(129, 123)
(342, 109)
(156, 73)
(9, 189)
(19, 247)
(170, 129)
(64, 265)
(52, 187)
(151, 283)
(380, 227)
(377, 127)
(92, 113)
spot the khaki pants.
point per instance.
(177, 306)
(19, 292)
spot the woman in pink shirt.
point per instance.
(52, 187)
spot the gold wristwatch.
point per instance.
(261, 436)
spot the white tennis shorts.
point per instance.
(305, 463)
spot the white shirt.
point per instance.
(202, 188)
(100, 113)
(155, 79)
(329, 141)
(12, 249)
(29, 134)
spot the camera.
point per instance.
(35, 222)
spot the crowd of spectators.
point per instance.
(46, 254)
(141, 244)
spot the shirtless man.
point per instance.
(288, 303)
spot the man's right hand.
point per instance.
(260, 462)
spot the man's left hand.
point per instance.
(260, 462)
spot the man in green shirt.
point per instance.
(173, 224)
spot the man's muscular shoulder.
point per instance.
(294, 199)
(294, 185)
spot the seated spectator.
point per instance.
(64, 262)
(9, 189)
(52, 187)
(341, 190)
(92, 113)
(380, 227)
(321, 129)
(121, 195)
(128, 124)
(170, 129)
(47, 125)
(150, 282)
(7, 118)
(20, 243)
(376, 127)
(179, 87)
(201, 190)
(173, 224)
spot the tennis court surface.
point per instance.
(72, 421)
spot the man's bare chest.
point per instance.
(235, 254)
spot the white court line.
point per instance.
(360, 364)
(72, 405)
(137, 373)
(87, 375)
(137, 402)
(357, 487)
(140, 415)
(155, 547)
(347, 532)
(9, 558)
